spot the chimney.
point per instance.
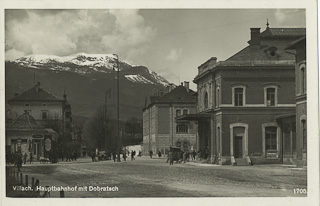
(170, 87)
(255, 37)
(37, 86)
(186, 85)
(214, 60)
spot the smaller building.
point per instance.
(160, 128)
(25, 135)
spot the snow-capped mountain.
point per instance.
(83, 63)
(85, 78)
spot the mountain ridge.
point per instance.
(85, 78)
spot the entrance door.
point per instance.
(36, 150)
(238, 146)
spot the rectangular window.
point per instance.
(271, 94)
(271, 138)
(182, 128)
(44, 114)
(238, 92)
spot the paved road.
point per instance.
(145, 177)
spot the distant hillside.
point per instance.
(85, 79)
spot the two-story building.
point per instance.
(160, 128)
(46, 110)
(239, 99)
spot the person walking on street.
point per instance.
(151, 153)
(19, 161)
(31, 156)
(171, 157)
(159, 154)
(124, 156)
(25, 158)
(132, 155)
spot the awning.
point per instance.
(194, 117)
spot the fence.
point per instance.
(24, 181)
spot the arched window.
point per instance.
(217, 97)
(206, 100)
(303, 79)
(304, 134)
(182, 128)
(178, 112)
(185, 111)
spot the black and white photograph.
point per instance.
(151, 104)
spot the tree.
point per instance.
(98, 132)
(133, 128)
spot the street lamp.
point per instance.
(118, 111)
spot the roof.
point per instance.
(293, 44)
(36, 93)
(25, 122)
(270, 52)
(176, 95)
(283, 32)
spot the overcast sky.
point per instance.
(171, 42)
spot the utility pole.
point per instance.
(118, 112)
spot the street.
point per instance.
(145, 177)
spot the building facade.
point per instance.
(239, 99)
(160, 128)
(294, 126)
(46, 110)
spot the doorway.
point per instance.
(238, 147)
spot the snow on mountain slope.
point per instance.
(83, 63)
(138, 78)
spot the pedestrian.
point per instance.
(171, 157)
(132, 155)
(139, 153)
(124, 156)
(31, 156)
(25, 158)
(184, 157)
(114, 156)
(159, 154)
(194, 155)
(93, 156)
(150, 153)
(19, 161)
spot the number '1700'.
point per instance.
(300, 191)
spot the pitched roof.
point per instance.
(25, 122)
(283, 32)
(36, 93)
(270, 39)
(293, 44)
(176, 95)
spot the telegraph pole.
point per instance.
(118, 112)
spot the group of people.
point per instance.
(181, 156)
(16, 158)
(69, 156)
